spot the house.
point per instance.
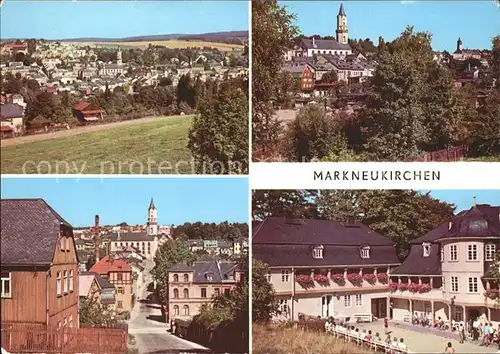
(191, 286)
(93, 285)
(324, 267)
(39, 123)
(447, 273)
(118, 273)
(240, 246)
(11, 119)
(39, 265)
(87, 112)
(144, 244)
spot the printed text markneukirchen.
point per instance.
(420, 175)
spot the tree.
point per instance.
(314, 135)
(273, 33)
(295, 203)
(169, 254)
(90, 262)
(486, 138)
(218, 138)
(330, 77)
(402, 215)
(409, 105)
(263, 296)
(92, 312)
(44, 104)
(185, 91)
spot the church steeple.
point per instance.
(119, 57)
(459, 44)
(152, 224)
(152, 204)
(342, 32)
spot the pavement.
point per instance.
(151, 335)
(425, 340)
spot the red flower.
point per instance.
(403, 286)
(414, 288)
(492, 294)
(393, 287)
(370, 277)
(321, 278)
(338, 277)
(304, 280)
(382, 277)
(424, 288)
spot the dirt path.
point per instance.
(78, 130)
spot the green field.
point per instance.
(158, 147)
(483, 159)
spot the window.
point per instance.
(227, 292)
(185, 292)
(359, 300)
(285, 277)
(176, 310)
(58, 284)
(149, 247)
(176, 278)
(490, 250)
(119, 304)
(454, 284)
(70, 320)
(472, 252)
(186, 278)
(365, 252)
(442, 254)
(426, 248)
(453, 253)
(65, 281)
(347, 300)
(119, 276)
(283, 307)
(209, 276)
(71, 279)
(176, 293)
(473, 288)
(186, 310)
(120, 290)
(58, 324)
(443, 283)
(318, 252)
(203, 292)
(268, 276)
(6, 284)
(65, 322)
(216, 291)
(62, 246)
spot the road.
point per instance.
(151, 335)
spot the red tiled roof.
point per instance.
(4, 129)
(87, 107)
(81, 105)
(106, 265)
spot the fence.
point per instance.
(446, 155)
(32, 338)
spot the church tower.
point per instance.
(119, 57)
(459, 45)
(152, 225)
(342, 33)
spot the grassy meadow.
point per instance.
(117, 150)
(223, 47)
(283, 340)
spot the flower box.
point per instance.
(355, 278)
(393, 287)
(382, 277)
(338, 278)
(321, 278)
(304, 280)
(370, 277)
(403, 286)
(424, 288)
(413, 288)
(491, 294)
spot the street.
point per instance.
(151, 335)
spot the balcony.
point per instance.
(415, 291)
(341, 281)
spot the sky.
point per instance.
(116, 200)
(463, 199)
(476, 22)
(64, 19)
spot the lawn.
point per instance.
(158, 147)
(223, 47)
(483, 159)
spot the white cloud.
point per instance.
(404, 2)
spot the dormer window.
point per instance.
(365, 252)
(426, 246)
(209, 276)
(317, 252)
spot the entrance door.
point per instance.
(382, 308)
(326, 306)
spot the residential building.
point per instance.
(464, 54)
(118, 273)
(11, 119)
(39, 265)
(87, 112)
(93, 285)
(191, 286)
(325, 268)
(448, 272)
(240, 246)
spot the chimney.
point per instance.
(314, 42)
(474, 197)
(449, 225)
(97, 238)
